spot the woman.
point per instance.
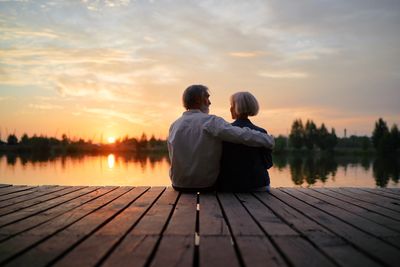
(243, 168)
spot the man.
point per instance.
(195, 142)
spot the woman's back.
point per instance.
(244, 168)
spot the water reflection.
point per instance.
(152, 169)
(79, 169)
(111, 161)
(385, 169)
(309, 169)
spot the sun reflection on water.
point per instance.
(111, 161)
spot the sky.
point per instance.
(101, 68)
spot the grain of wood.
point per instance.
(354, 218)
(29, 223)
(49, 251)
(382, 201)
(17, 194)
(139, 243)
(376, 248)
(334, 246)
(36, 208)
(366, 205)
(88, 253)
(38, 195)
(22, 243)
(383, 193)
(13, 189)
(357, 210)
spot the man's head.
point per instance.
(196, 97)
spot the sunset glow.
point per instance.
(88, 68)
(111, 140)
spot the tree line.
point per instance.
(67, 145)
(306, 136)
(311, 137)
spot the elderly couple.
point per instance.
(208, 153)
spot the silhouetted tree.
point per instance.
(12, 140)
(395, 137)
(280, 143)
(332, 140)
(296, 137)
(143, 141)
(381, 171)
(322, 137)
(153, 141)
(24, 139)
(310, 134)
(381, 130)
(65, 140)
(366, 143)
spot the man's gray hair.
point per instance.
(192, 94)
(245, 104)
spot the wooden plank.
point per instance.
(13, 189)
(22, 243)
(217, 250)
(265, 217)
(17, 194)
(372, 246)
(356, 209)
(343, 214)
(59, 198)
(174, 250)
(395, 191)
(375, 199)
(290, 240)
(212, 220)
(5, 185)
(88, 253)
(239, 220)
(183, 220)
(139, 243)
(366, 205)
(19, 227)
(254, 247)
(39, 192)
(383, 193)
(215, 245)
(176, 247)
(54, 193)
(53, 248)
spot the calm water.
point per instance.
(152, 170)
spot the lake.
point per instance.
(152, 170)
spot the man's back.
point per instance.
(194, 153)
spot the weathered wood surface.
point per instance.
(157, 226)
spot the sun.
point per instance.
(111, 140)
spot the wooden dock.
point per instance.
(157, 226)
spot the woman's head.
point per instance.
(243, 104)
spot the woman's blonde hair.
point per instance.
(245, 103)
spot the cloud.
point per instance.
(16, 33)
(45, 106)
(107, 74)
(107, 113)
(97, 5)
(246, 54)
(283, 74)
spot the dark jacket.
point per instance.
(244, 168)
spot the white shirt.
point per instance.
(195, 147)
